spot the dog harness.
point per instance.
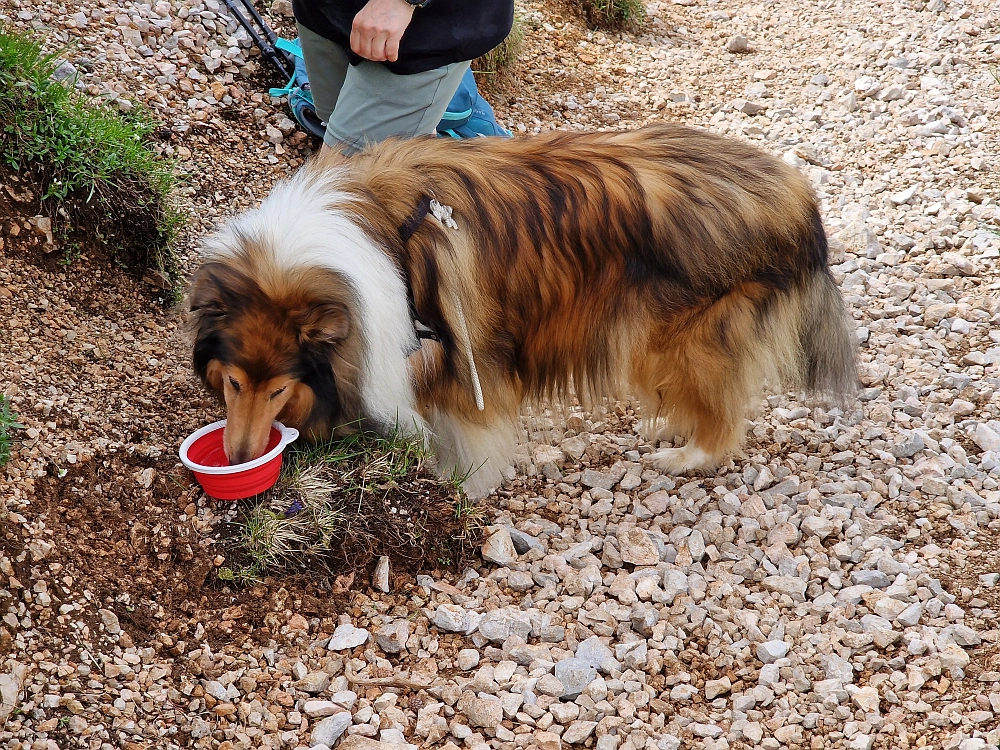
(443, 214)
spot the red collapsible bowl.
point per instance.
(204, 454)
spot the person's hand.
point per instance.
(378, 27)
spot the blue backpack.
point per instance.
(468, 115)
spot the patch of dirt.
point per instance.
(119, 223)
(339, 515)
(117, 527)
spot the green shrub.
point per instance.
(613, 14)
(340, 504)
(92, 164)
(8, 423)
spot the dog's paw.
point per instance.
(682, 460)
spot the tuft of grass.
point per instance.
(94, 164)
(502, 58)
(341, 503)
(613, 14)
(8, 423)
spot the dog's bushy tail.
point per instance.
(826, 333)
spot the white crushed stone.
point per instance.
(834, 588)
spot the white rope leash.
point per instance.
(443, 214)
(463, 331)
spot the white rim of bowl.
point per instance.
(288, 435)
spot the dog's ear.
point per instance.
(213, 375)
(326, 323)
(217, 288)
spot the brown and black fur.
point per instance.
(668, 263)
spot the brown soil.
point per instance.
(158, 569)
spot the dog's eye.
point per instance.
(277, 393)
(235, 384)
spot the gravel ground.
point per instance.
(835, 587)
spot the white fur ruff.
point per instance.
(308, 221)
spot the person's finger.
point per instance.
(356, 41)
(369, 48)
(369, 42)
(392, 47)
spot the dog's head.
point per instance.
(284, 353)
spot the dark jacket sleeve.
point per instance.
(444, 32)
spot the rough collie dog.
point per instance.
(437, 286)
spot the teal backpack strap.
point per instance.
(462, 116)
(292, 48)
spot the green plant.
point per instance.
(8, 423)
(614, 14)
(502, 58)
(95, 166)
(340, 503)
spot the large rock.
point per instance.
(911, 615)
(321, 709)
(574, 674)
(347, 636)
(430, 725)
(468, 658)
(452, 618)
(499, 548)
(817, 526)
(770, 651)
(856, 235)
(380, 577)
(594, 652)
(484, 712)
(591, 478)
(500, 624)
(837, 668)
(637, 548)
(675, 582)
(874, 578)
(392, 636)
(10, 686)
(715, 688)
(330, 729)
(986, 437)
(867, 699)
(889, 608)
(524, 542)
(793, 586)
(551, 685)
(954, 659)
(314, 682)
(578, 732)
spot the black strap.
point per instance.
(416, 219)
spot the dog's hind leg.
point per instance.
(713, 429)
(707, 375)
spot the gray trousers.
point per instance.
(365, 103)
